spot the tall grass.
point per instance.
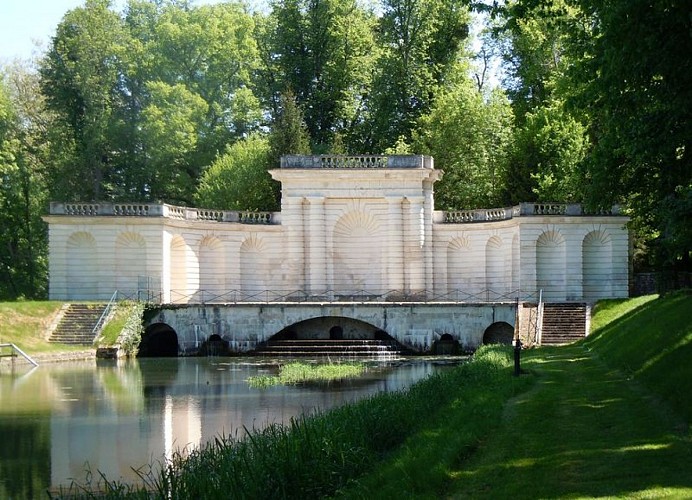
(318, 455)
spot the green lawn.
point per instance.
(606, 417)
(25, 324)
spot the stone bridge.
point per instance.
(414, 325)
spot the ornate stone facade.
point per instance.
(350, 228)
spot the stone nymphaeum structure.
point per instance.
(351, 228)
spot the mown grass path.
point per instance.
(583, 430)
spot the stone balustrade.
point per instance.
(161, 210)
(248, 217)
(357, 161)
(523, 209)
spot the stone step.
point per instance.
(563, 323)
(77, 324)
(329, 348)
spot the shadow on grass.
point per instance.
(581, 431)
(653, 344)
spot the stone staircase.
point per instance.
(317, 348)
(563, 323)
(77, 323)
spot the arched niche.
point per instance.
(130, 263)
(212, 269)
(254, 269)
(597, 265)
(82, 267)
(551, 265)
(357, 254)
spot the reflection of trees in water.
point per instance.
(22, 437)
(158, 376)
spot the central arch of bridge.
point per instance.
(329, 328)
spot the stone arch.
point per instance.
(358, 263)
(212, 269)
(495, 258)
(460, 269)
(446, 345)
(130, 263)
(253, 268)
(551, 265)
(499, 332)
(159, 340)
(183, 270)
(597, 265)
(82, 267)
(329, 328)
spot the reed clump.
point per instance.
(298, 372)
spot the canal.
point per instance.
(68, 422)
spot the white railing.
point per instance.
(17, 350)
(521, 210)
(356, 161)
(104, 314)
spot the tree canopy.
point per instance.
(168, 101)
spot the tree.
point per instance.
(635, 86)
(170, 128)
(469, 137)
(421, 40)
(23, 193)
(81, 81)
(131, 92)
(289, 133)
(323, 52)
(238, 179)
(546, 158)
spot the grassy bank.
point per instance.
(596, 422)
(25, 324)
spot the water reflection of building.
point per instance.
(112, 418)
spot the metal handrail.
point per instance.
(105, 313)
(26, 356)
(268, 296)
(539, 318)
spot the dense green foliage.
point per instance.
(148, 103)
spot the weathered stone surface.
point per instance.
(350, 228)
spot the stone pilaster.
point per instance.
(414, 241)
(395, 237)
(316, 251)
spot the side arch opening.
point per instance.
(499, 333)
(159, 341)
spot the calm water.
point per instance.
(57, 421)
